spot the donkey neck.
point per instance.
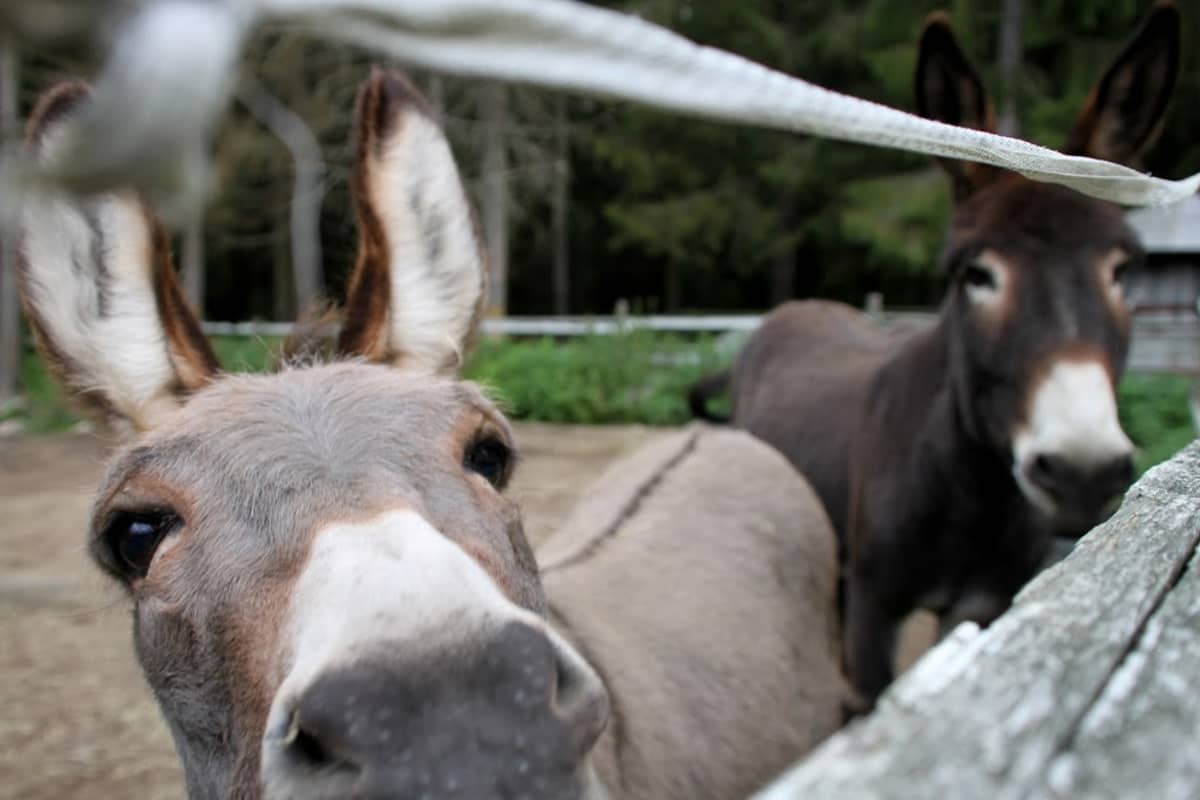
(915, 401)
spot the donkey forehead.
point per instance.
(1028, 220)
(333, 425)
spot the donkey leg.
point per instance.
(872, 627)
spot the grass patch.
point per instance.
(639, 377)
(247, 353)
(46, 409)
(1154, 413)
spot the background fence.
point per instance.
(1163, 342)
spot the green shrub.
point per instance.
(247, 353)
(629, 378)
(45, 409)
(639, 377)
(1154, 412)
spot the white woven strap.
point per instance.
(553, 43)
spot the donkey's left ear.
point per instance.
(949, 89)
(1124, 112)
(416, 294)
(101, 294)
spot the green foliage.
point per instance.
(715, 202)
(639, 377)
(46, 409)
(898, 219)
(1154, 413)
(247, 353)
(635, 377)
(676, 212)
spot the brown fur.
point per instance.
(908, 439)
(1120, 120)
(365, 330)
(191, 353)
(242, 477)
(192, 359)
(711, 615)
(380, 107)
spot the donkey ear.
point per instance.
(1124, 112)
(101, 294)
(417, 290)
(949, 90)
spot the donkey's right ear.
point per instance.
(949, 90)
(101, 294)
(417, 289)
(1124, 112)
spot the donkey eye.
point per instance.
(490, 458)
(134, 537)
(977, 276)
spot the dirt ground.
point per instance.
(76, 719)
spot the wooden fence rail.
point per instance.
(1085, 688)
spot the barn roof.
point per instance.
(1169, 229)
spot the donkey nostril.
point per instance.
(306, 747)
(1044, 465)
(1047, 472)
(580, 699)
(1122, 471)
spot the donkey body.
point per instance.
(332, 595)
(710, 614)
(949, 456)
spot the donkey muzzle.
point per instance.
(1080, 492)
(511, 718)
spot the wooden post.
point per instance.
(1084, 688)
(783, 276)
(561, 200)
(304, 222)
(494, 197)
(873, 305)
(1011, 24)
(437, 97)
(10, 308)
(193, 262)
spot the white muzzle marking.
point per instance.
(393, 580)
(1072, 415)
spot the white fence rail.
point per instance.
(1163, 342)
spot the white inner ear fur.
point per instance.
(89, 278)
(1072, 414)
(437, 269)
(989, 296)
(393, 585)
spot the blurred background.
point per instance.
(587, 203)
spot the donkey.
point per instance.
(948, 457)
(333, 597)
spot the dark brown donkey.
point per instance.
(332, 593)
(948, 457)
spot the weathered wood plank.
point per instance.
(1140, 738)
(989, 713)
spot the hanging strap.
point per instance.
(168, 82)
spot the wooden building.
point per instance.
(1165, 294)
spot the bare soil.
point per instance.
(76, 718)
